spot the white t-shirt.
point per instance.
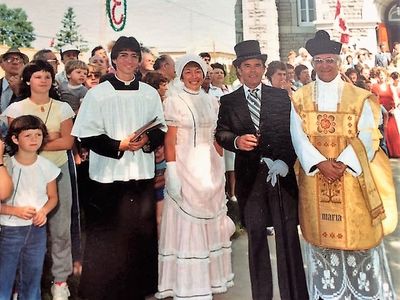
(30, 187)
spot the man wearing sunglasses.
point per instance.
(335, 136)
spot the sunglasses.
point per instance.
(94, 74)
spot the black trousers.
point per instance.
(262, 208)
(120, 258)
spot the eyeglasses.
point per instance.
(53, 61)
(328, 60)
(206, 59)
(95, 75)
(12, 59)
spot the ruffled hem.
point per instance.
(194, 258)
(214, 290)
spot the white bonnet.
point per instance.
(185, 59)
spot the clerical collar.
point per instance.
(119, 84)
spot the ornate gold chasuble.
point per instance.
(336, 215)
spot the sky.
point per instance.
(168, 25)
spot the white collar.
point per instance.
(246, 90)
(124, 81)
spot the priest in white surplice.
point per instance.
(121, 249)
(344, 253)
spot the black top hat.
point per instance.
(14, 51)
(247, 50)
(322, 44)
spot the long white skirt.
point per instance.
(344, 275)
(194, 255)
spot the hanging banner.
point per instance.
(116, 12)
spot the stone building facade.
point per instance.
(370, 22)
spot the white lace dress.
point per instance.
(348, 275)
(195, 246)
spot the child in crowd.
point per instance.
(160, 83)
(23, 215)
(73, 91)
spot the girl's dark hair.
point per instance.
(20, 124)
(32, 67)
(154, 79)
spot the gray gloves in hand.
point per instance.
(276, 167)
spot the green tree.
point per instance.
(69, 34)
(15, 29)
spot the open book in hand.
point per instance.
(151, 125)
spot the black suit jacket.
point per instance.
(275, 142)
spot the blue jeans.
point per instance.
(22, 248)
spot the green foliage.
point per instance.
(231, 77)
(15, 29)
(69, 34)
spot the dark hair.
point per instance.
(20, 124)
(159, 62)
(154, 79)
(351, 71)
(299, 69)
(313, 75)
(218, 66)
(125, 43)
(274, 66)
(36, 66)
(95, 49)
(289, 66)
(394, 75)
(41, 54)
(362, 83)
(205, 54)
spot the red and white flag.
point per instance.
(340, 24)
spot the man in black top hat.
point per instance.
(253, 121)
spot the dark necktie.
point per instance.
(254, 104)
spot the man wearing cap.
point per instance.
(334, 129)
(12, 62)
(121, 245)
(67, 52)
(253, 122)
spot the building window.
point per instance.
(306, 12)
